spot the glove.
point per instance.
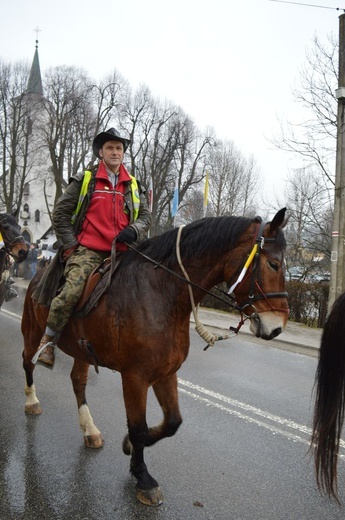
(127, 235)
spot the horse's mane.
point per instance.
(206, 235)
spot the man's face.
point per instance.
(112, 154)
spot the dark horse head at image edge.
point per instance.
(14, 245)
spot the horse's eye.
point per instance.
(273, 265)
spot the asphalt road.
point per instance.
(240, 454)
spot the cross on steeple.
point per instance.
(37, 30)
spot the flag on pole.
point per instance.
(175, 200)
(151, 195)
(206, 195)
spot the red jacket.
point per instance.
(106, 215)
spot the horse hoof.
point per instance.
(150, 497)
(94, 441)
(127, 447)
(33, 409)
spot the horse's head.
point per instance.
(14, 242)
(261, 293)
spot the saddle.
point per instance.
(93, 280)
(97, 284)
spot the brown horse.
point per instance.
(14, 245)
(140, 327)
(330, 399)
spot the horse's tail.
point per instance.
(330, 399)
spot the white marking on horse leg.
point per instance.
(30, 392)
(86, 421)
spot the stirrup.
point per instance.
(40, 350)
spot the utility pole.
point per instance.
(337, 285)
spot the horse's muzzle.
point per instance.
(264, 331)
(21, 255)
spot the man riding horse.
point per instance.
(99, 205)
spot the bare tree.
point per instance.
(166, 148)
(66, 125)
(313, 138)
(313, 141)
(234, 181)
(192, 207)
(109, 98)
(310, 208)
(16, 121)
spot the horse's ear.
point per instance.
(15, 212)
(279, 220)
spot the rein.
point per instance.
(186, 280)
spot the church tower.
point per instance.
(39, 188)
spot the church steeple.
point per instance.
(35, 80)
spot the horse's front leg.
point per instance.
(92, 435)
(167, 396)
(135, 397)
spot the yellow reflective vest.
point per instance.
(85, 186)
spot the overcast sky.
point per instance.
(230, 64)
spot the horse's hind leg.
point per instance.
(32, 332)
(32, 405)
(135, 397)
(92, 435)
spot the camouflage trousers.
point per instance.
(78, 267)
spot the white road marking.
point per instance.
(261, 418)
(12, 314)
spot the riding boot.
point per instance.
(45, 355)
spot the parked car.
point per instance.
(319, 277)
(295, 273)
(301, 274)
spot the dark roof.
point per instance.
(35, 80)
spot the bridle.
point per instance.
(252, 266)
